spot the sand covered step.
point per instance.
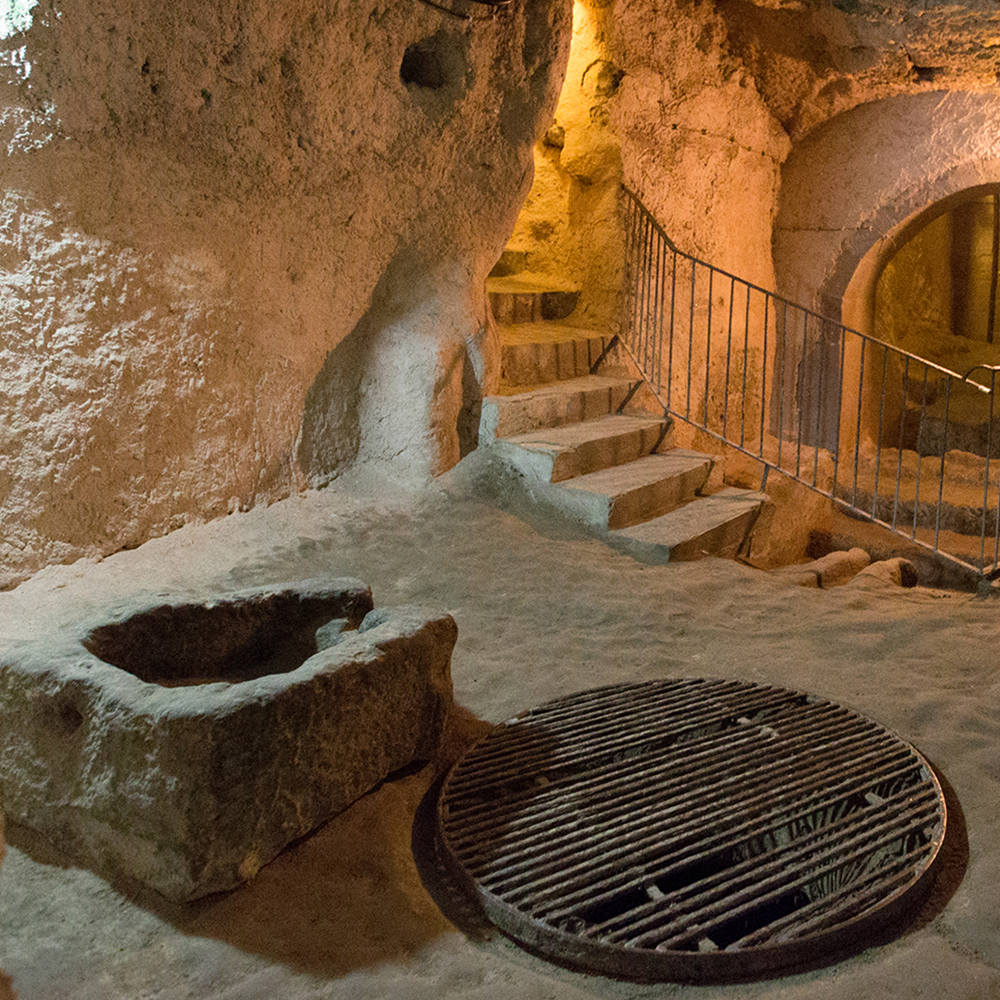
(558, 453)
(525, 298)
(554, 404)
(646, 488)
(536, 353)
(717, 525)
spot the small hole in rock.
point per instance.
(435, 66)
(422, 68)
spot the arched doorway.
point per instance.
(882, 188)
(930, 290)
(854, 192)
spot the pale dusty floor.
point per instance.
(343, 914)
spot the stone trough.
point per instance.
(185, 744)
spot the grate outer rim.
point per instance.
(780, 955)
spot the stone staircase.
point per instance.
(583, 449)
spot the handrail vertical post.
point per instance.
(783, 341)
(673, 305)
(899, 447)
(729, 352)
(763, 373)
(996, 521)
(803, 369)
(690, 355)
(919, 443)
(986, 477)
(708, 337)
(840, 399)
(857, 427)
(944, 453)
(819, 402)
(878, 440)
(746, 353)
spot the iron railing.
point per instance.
(894, 438)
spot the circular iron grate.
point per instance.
(692, 830)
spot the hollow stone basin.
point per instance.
(184, 745)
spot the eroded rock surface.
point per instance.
(832, 570)
(243, 248)
(896, 572)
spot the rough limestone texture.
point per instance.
(818, 125)
(812, 60)
(832, 570)
(569, 229)
(244, 247)
(192, 779)
(654, 95)
(857, 186)
(700, 105)
(896, 572)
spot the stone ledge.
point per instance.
(191, 789)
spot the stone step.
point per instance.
(625, 495)
(557, 453)
(536, 353)
(552, 405)
(526, 298)
(716, 525)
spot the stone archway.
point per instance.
(855, 189)
(852, 182)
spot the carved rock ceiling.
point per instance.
(812, 59)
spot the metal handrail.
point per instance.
(807, 396)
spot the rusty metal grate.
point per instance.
(692, 830)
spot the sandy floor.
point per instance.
(541, 613)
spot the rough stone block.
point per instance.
(832, 570)
(898, 572)
(184, 745)
(837, 568)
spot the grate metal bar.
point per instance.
(691, 834)
(619, 778)
(851, 898)
(648, 803)
(705, 729)
(757, 878)
(831, 860)
(666, 826)
(689, 714)
(602, 870)
(718, 791)
(611, 702)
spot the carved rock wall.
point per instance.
(207, 210)
(656, 97)
(699, 144)
(568, 227)
(243, 248)
(710, 99)
(814, 59)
